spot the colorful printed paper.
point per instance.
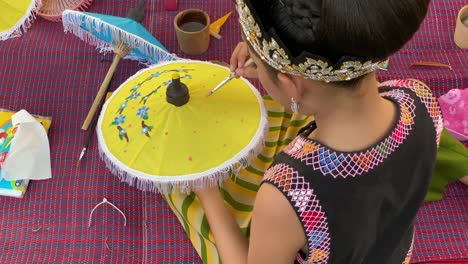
(7, 131)
(29, 154)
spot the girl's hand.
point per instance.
(208, 194)
(238, 58)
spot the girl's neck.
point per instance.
(354, 121)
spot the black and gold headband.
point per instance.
(307, 65)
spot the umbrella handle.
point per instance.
(101, 92)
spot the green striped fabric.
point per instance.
(239, 191)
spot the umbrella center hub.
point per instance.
(177, 92)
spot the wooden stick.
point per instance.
(431, 64)
(92, 128)
(101, 92)
(120, 50)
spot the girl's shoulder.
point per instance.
(422, 93)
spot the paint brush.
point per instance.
(230, 77)
(92, 127)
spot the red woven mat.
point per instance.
(53, 74)
(441, 227)
(434, 42)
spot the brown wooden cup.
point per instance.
(461, 29)
(192, 27)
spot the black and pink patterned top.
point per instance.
(359, 207)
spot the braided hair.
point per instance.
(299, 15)
(371, 29)
(374, 29)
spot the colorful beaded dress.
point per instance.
(359, 207)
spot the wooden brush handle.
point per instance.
(101, 93)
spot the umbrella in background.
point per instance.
(126, 37)
(52, 9)
(16, 16)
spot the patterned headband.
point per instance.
(307, 65)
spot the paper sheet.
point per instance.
(29, 155)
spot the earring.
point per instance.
(294, 105)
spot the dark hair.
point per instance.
(373, 29)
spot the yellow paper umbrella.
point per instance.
(156, 145)
(16, 16)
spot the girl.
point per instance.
(348, 187)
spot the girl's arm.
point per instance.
(276, 233)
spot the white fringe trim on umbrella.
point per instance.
(24, 23)
(189, 182)
(72, 21)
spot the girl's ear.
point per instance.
(291, 86)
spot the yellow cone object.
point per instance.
(215, 27)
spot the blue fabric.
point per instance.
(128, 25)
